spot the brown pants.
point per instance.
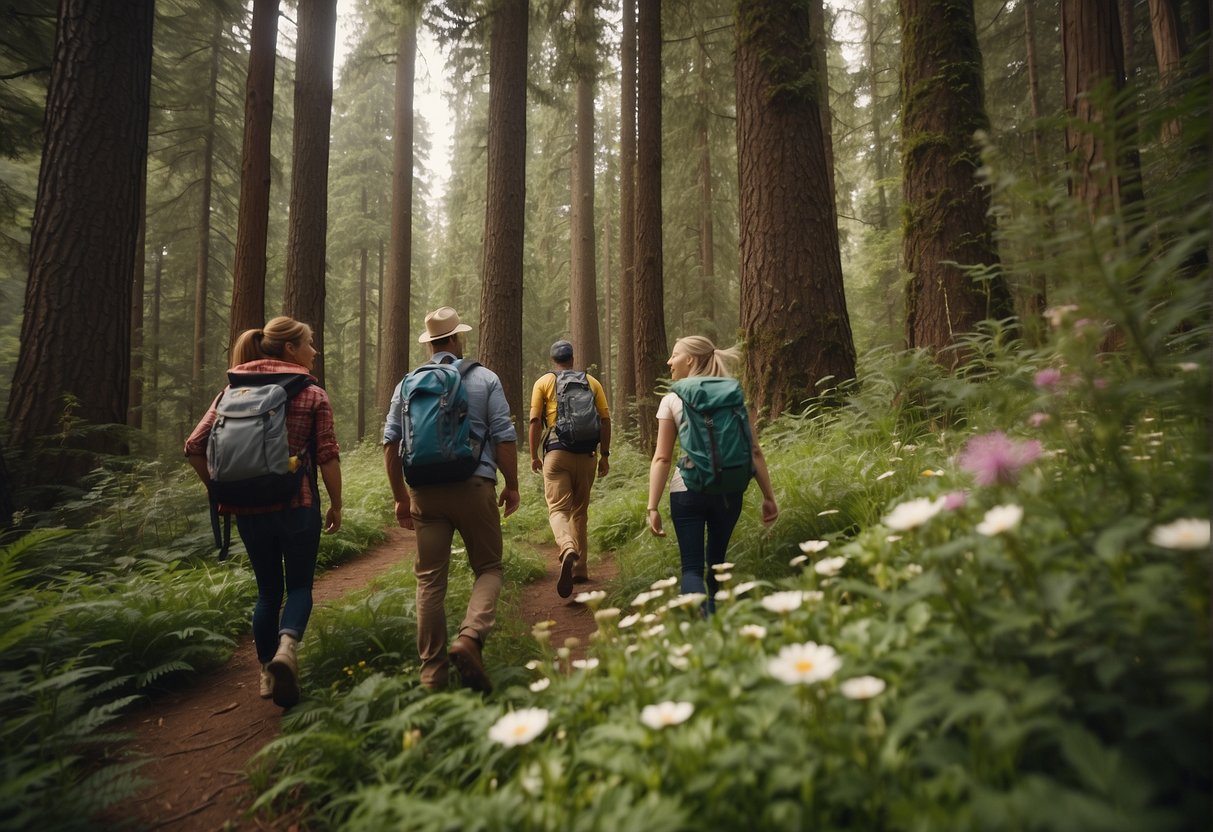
(438, 512)
(567, 480)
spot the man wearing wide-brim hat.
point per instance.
(469, 506)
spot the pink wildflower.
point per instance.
(994, 458)
(954, 500)
(1047, 379)
(1037, 420)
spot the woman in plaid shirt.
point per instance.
(282, 541)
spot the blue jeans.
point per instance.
(692, 514)
(282, 547)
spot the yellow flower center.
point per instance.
(520, 730)
(804, 666)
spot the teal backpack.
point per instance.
(714, 435)
(437, 444)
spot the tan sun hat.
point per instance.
(440, 323)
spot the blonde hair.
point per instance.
(270, 340)
(709, 361)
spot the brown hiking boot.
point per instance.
(284, 668)
(465, 655)
(564, 584)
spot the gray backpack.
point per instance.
(578, 427)
(247, 455)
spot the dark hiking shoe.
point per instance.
(465, 655)
(564, 584)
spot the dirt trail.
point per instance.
(200, 739)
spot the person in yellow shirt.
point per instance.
(571, 423)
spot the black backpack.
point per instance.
(577, 427)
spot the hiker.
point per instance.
(436, 509)
(716, 506)
(282, 539)
(572, 407)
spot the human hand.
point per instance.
(332, 520)
(404, 514)
(769, 511)
(654, 523)
(510, 499)
(536, 464)
(604, 466)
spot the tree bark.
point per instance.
(793, 311)
(153, 412)
(649, 295)
(626, 373)
(505, 201)
(363, 333)
(84, 234)
(1093, 63)
(1168, 51)
(707, 230)
(583, 279)
(878, 150)
(134, 409)
(248, 278)
(946, 209)
(203, 263)
(394, 313)
(308, 220)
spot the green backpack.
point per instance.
(714, 435)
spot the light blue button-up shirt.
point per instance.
(487, 408)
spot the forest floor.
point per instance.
(200, 739)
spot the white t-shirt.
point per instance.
(671, 408)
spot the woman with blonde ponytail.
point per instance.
(693, 513)
(283, 540)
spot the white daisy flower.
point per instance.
(540, 684)
(829, 566)
(519, 727)
(804, 664)
(913, 513)
(585, 664)
(783, 602)
(811, 546)
(665, 714)
(644, 597)
(589, 597)
(722, 567)
(755, 632)
(664, 583)
(1000, 519)
(1185, 533)
(862, 687)
(628, 620)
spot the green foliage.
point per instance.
(118, 596)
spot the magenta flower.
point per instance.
(995, 458)
(1047, 379)
(1037, 420)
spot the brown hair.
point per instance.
(709, 361)
(270, 340)
(452, 343)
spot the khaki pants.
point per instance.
(438, 512)
(567, 480)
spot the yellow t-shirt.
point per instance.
(543, 399)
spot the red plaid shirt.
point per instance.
(309, 415)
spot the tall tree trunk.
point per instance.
(878, 152)
(792, 301)
(308, 221)
(583, 279)
(85, 231)
(1105, 177)
(1125, 13)
(946, 209)
(248, 278)
(202, 270)
(625, 394)
(707, 230)
(394, 330)
(649, 295)
(817, 31)
(153, 412)
(363, 333)
(1037, 295)
(505, 201)
(134, 409)
(1168, 51)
